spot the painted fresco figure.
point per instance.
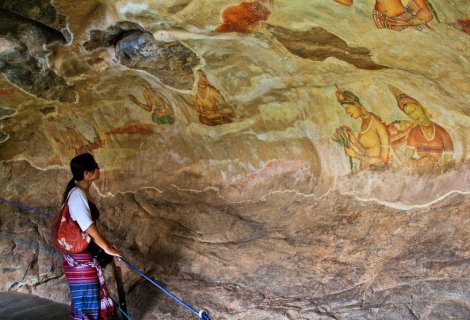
(398, 131)
(162, 113)
(400, 14)
(210, 104)
(372, 145)
(244, 17)
(428, 144)
(394, 15)
(80, 136)
(76, 142)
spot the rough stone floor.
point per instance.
(21, 306)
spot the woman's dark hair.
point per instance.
(78, 166)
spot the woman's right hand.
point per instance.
(112, 250)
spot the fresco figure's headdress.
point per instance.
(346, 97)
(402, 98)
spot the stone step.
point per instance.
(22, 306)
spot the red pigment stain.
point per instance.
(7, 91)
(244, 17)
(133, 129)
(464, 25)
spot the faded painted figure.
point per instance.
(79, 135)
(393, 14)
(244, 17)
(400, 14)
(372, 145)
(75, 141)
(210, 104)
(162, 113)
(428, 144)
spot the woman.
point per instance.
(372, 145)
(90, 298)
(428, 144)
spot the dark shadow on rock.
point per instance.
(23, 57)
(144, 300)
(317, 44)
(41, 12)
(171, 62)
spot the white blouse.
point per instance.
(79, 209)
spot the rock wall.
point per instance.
(265, 159)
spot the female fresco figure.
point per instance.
(372, 145)
(162, 113)
(90, 297)
(210, 104)
(427, 143)
(400, 14)
(392, 14)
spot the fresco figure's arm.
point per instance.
(409, 153)
(424, 14)
(146, 107)
(384, 145)
(345, 2)
(448, 147)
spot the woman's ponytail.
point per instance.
(69, 187)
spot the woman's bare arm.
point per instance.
(101, 241)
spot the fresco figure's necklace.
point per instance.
(369, 126)
(433, 135)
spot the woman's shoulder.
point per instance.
(77, 194)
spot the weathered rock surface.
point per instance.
(23, 60)
(172, 63)
(313, 166)
(41, 11)
(318, 44)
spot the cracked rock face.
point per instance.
(23, 58)
(312, 165)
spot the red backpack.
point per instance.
(66, 235)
